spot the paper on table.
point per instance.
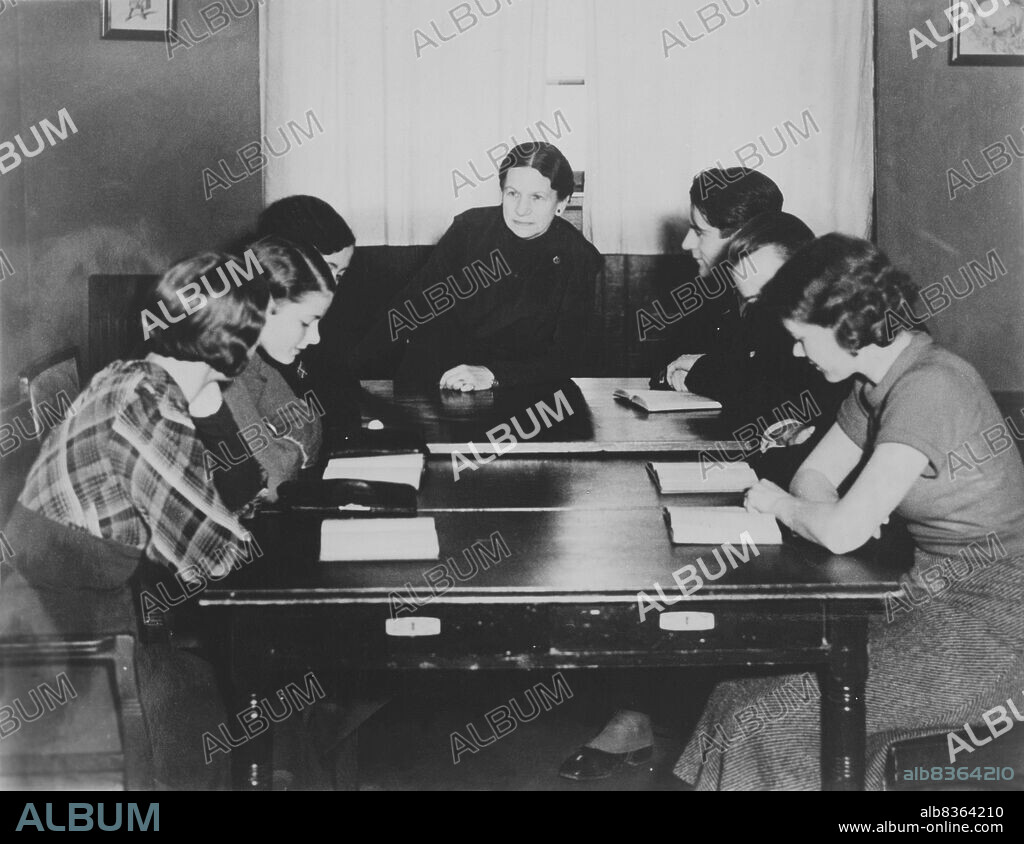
(344, 540)
(719, 525)
(696, 477)
(390, 468)
(661, 401)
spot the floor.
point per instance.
(408, 745)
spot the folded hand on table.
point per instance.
(466, 378)
(676, 372)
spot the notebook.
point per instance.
(697, 477)
(392, 468)
(344, 540)
(719, 525)
(661, 401)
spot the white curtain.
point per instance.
(405, 116)
(409, 119)
(760, 72)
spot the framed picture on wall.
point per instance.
(138, 20)
(995, 37)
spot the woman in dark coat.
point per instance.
(504, 297)
(952, 646)
(778, 403)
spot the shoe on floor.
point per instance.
(591, 764)
(627, 740)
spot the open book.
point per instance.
(697, 477)
(393, 468)
(660, 401)
(719, 525)
(378, 539)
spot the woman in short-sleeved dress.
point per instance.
(941, 458)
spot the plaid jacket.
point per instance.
(126, 465)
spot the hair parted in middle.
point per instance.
(292, 270)
(546, 159)
(785, 232)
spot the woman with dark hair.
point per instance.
(722, 201)
(946, 655)
(122, 479)
(309, 221)
(503, 299)
(280, 433)
(752, 371)
(313, 224)
(761, 386)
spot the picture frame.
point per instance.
(994, 39)
(137, 20)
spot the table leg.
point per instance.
(253, 761)
(843, 726)
(252, 757)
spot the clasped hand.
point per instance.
(677, 370)
(465, 378)
(765, 497)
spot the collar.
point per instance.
(157, 383)
(920, 345)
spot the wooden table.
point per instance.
(599, 423)
(584, 535)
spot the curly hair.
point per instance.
(218, 329)
(846, 284)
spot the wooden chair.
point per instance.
(43, 382)
(117, 654)
(1005, 751)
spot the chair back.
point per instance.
(51, 384)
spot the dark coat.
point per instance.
(489, 298)
(752, 371)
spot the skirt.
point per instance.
(934, 665)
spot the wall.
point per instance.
(125, 193)
(932, 116)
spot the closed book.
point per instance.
(348, 540)
(674, 478)
(721, 525)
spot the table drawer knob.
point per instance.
(686, 621)
(421, 626)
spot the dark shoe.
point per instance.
(591, 764)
